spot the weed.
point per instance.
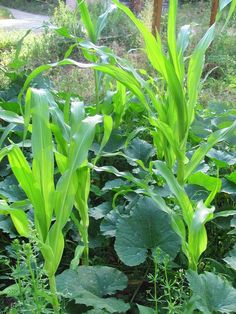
(30, 288)
(170, 292)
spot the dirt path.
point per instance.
(22, 21)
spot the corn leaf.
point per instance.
(87, 21)
(10, 116)
(195, 70)
(107, 124)
(197, 239)
(176, 189)
(172, 45)
(42, 148)
(67, 185)
(18, 216)
(24, 175)
(201, 152)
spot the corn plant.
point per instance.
(93, 29)
(171, 104)
(170, 107)
(82, 174)
(52, 202)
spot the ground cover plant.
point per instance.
(38, 6)
(4, 13)
(124, 203)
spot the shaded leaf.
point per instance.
(114, 184)
(221, 158)
(211, 293)
(6, 225)
(108, 225)
(148, 227)
(230, 259)
(139, 150)
(145, 309)
(228, 187)
(10, 190)
(89, 284)
(100, 211)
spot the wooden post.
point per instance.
(136, 6)
(214, 10)
(156, 19)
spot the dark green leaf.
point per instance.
(10, 190)
(228, 187)
(100, 211)
(89, 284)
(230, 259)
(139, 150)
(114, 184)
(145, 309)
(148, 227)
(108, 225)
(211, 293)
(221, 158)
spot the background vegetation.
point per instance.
(141, 217)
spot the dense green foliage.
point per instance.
(124, 203)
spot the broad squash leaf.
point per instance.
(211, 293)
(145, 309)
(221, 158)
(231, 258)
(139, 150)
(90, 284)
(148, 227)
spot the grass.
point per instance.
(37, 6)
(5, 13)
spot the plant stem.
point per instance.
(96, 90)
(181, 171)
(155, 285)
(86, 248)
(53, 289)
(192, 265)
(33, 279)
(167, 284)
(83, 230)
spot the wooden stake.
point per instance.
(214, 10)
(156, 19)
(136, 6)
